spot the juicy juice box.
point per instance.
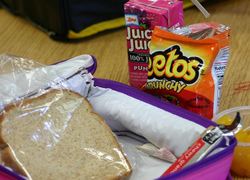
(141, 17)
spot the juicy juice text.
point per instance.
(141, 17)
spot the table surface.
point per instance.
(21, 38)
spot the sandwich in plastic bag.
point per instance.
(50, 130)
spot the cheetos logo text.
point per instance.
(172, 65)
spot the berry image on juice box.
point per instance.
(141, 17)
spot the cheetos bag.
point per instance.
(187, 65)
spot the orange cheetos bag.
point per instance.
(187, 65)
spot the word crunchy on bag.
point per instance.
(167, 85)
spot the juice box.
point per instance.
(141, 17)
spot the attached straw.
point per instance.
(201, 8)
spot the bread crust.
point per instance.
(9, 161)
(124, 176)
(7, 154)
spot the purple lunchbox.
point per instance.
(216, 166)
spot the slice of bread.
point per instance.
(58, 136)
